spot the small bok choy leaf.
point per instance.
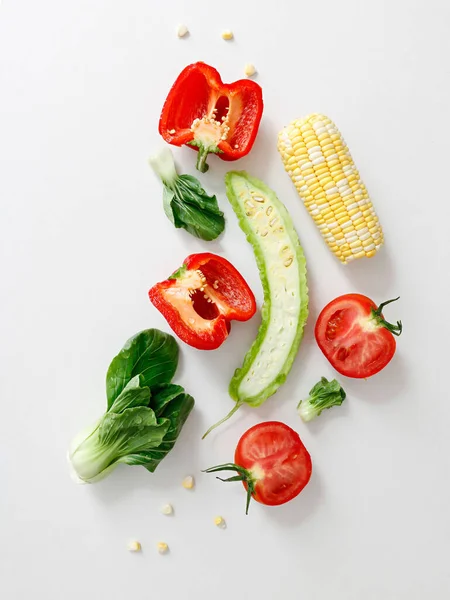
(324, 394)
(185, 202)
(145, 412)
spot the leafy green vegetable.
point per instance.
(185, 202)
(145, 412)
(324, 394)
(133, 394)
(174, 405)
(151, 353)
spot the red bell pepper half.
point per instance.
(210, 115)
(201, 298)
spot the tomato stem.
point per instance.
(244, 475)
(230, 414)
(378, 317)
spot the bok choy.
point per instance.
(145, 411)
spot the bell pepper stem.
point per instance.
(229, 415)
(202, 155)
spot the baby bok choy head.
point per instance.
(324, 394)
(145, 412)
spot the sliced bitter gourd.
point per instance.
(282, 267)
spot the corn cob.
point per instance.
(319, 163)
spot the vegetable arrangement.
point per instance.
(145, 410)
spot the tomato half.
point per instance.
(271, 462)
(277, 460)
(355, 338)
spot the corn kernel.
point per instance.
(227, 34)
(134, 546)
(311, 137)
(249, 70)
(188, 482)
(162, 547)
(167, 509)
(182, 30)
(220, 522)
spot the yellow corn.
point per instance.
(319, 163)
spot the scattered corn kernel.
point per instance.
(337, 196)
(163, 548)
(182, 30)
(134, 546)
(167, 509)
(220, 522)
(172, 131)
(188, 482)
(227, 34)
(249, 69)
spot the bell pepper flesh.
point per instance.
(200, 299)
(211, 116)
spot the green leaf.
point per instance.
(172, 404)
(323, 395)
(163, 395)
(113, 438)
(186, 204)
(132, 430)
(168, 196)
(132, 395)
(152, 354)
(197, 222)
(194, 210)
(193, 192)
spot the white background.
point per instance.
(83, 237)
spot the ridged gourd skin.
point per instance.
(320, 165)
(282, 267)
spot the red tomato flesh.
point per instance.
(355, 344)
(279, 463)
